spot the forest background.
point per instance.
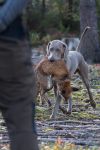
(56, 19)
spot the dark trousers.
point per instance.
(17, 93)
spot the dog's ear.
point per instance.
(47, 50)
(66, 51)
(74, 89)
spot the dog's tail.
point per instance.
(81, 38)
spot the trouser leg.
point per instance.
(20, 123)
(17, 92)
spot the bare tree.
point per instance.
(70, 12)
(43, 8)
(90, 44)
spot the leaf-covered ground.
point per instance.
(80, 130)
(82, 127)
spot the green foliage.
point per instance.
(46, 38)
(57, 14)
(35, 38)
(98, 12)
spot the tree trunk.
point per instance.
(70, 6)
(43, 9)
(29, 17)
(90, 44)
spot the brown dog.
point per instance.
(60, 74)
(43, 85)
(57, 69)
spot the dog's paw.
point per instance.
(66, 112)
(63, 109)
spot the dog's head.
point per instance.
(65, 89)
(57, 50)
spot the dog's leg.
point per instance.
(69, 110)
(57, 103)
(92, 102)
(42, 97)
(56, 107)
(84, 75)
(47, 100)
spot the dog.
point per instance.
(61, 79)
(72, 43)
(56, 69)
(58, 50)
(43, 71)
(43, 85)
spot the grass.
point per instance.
(80, 113)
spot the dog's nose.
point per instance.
(51, 59)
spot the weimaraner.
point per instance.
(57, 50)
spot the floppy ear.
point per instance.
(48, 48)
(66, 51)
(75, 89)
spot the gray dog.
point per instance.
(57, 50)
(72, 43)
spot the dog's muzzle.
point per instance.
(51, 59)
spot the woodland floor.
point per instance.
(80, 130)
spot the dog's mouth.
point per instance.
(52, 60)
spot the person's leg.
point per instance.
(17, 92)
(21, 128)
